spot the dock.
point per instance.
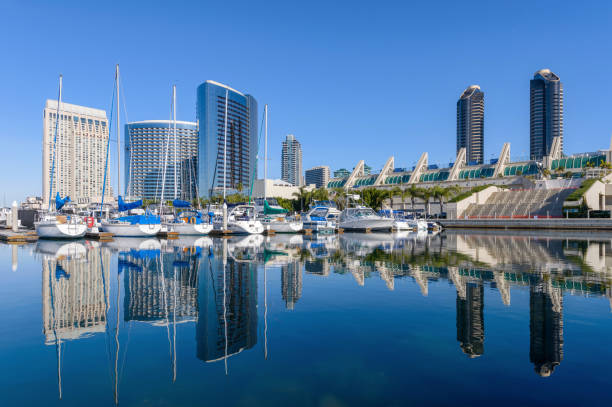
(101, 236)
(220, 232)
(168, 235)
(24, 236)
(546, 223)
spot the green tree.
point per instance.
(303, 196)
(426, 195)
(443, 194)
(374, 197)
(239, 187)
(339, 197)
(413, 193)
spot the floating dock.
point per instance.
(168, 235)
(24, 236)
(102, 236)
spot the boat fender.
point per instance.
(192, 220)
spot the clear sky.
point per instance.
(351, 79)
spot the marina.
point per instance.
(527, 306)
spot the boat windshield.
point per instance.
(361, 212)
(319, 212)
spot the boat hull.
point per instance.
(131, 230)
(367, 224)
(51, 229)
(284, 227)
(190, 229)
(241, 227)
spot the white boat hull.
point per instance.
(52, 229)
(129, 230)
(242, 227)
(284, 227)
(319, 226)
(367, 224)
(191, 229)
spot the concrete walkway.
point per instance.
(582, 224)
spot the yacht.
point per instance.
(240, 220)
(363, 218)
(321, 219)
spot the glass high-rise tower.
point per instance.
(546, 113)
(470, 124)
(242, 143)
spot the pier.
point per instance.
(576, 224)
(9, 236)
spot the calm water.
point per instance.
(474, 318)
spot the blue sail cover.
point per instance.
(127, 206)
(59, 202)
(177, 203)
(140, 219)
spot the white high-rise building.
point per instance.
(291, 170)
(80, 152)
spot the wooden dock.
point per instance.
(24, 236)
(220, 232)
(101, 236)
(168, 235)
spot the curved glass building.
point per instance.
(470, 124)
(241, 139)
(546, 113)
(147, 145)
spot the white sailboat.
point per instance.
(128, 226)
(54, 225)
(242, 218)
(275, 219)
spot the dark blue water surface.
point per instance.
(469, 318)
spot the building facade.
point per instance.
(149, 147)
(241, 141)
(318, 176)
(80, 152)
(545, 113)
(470, 124)
(291, 161)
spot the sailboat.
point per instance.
(131, 225)
(54, 225)
(275, 219)
(242, 218)
(188, 221)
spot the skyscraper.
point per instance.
(241, 152)
(470, 124)
(318, 176)
(80, 152)
(546, 113)
(291, 170)
(149, 146)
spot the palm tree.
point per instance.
(339, 197)
(395, 191)
(320, 194)
(426, 195)
(303, 196)
(442, 194)
(374, 197)
(413, 193)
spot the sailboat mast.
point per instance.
(175, 144)
(266, 155)
(225, 146)
(59, 102)
(118, 135)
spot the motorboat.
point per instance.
(362, 218)
(321, 219)
(241, 219)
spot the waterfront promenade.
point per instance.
(555, 223)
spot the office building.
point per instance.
(241, 140)
(470, 124)
(546, 113)
(149, 147)
(80, 152)
(291, 159)
(318, 176)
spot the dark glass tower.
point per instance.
(470, 320)
(470, 124)
(241, 138)
(546, 113)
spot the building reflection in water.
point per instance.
(470, 320)
(227, 306)
(291, 283)
(545, 327)
(160, 288)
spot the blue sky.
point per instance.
(352, 80)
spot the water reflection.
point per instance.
(213, 284)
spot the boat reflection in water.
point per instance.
(212, 285)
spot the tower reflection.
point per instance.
(470, 320)
(546, 328)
